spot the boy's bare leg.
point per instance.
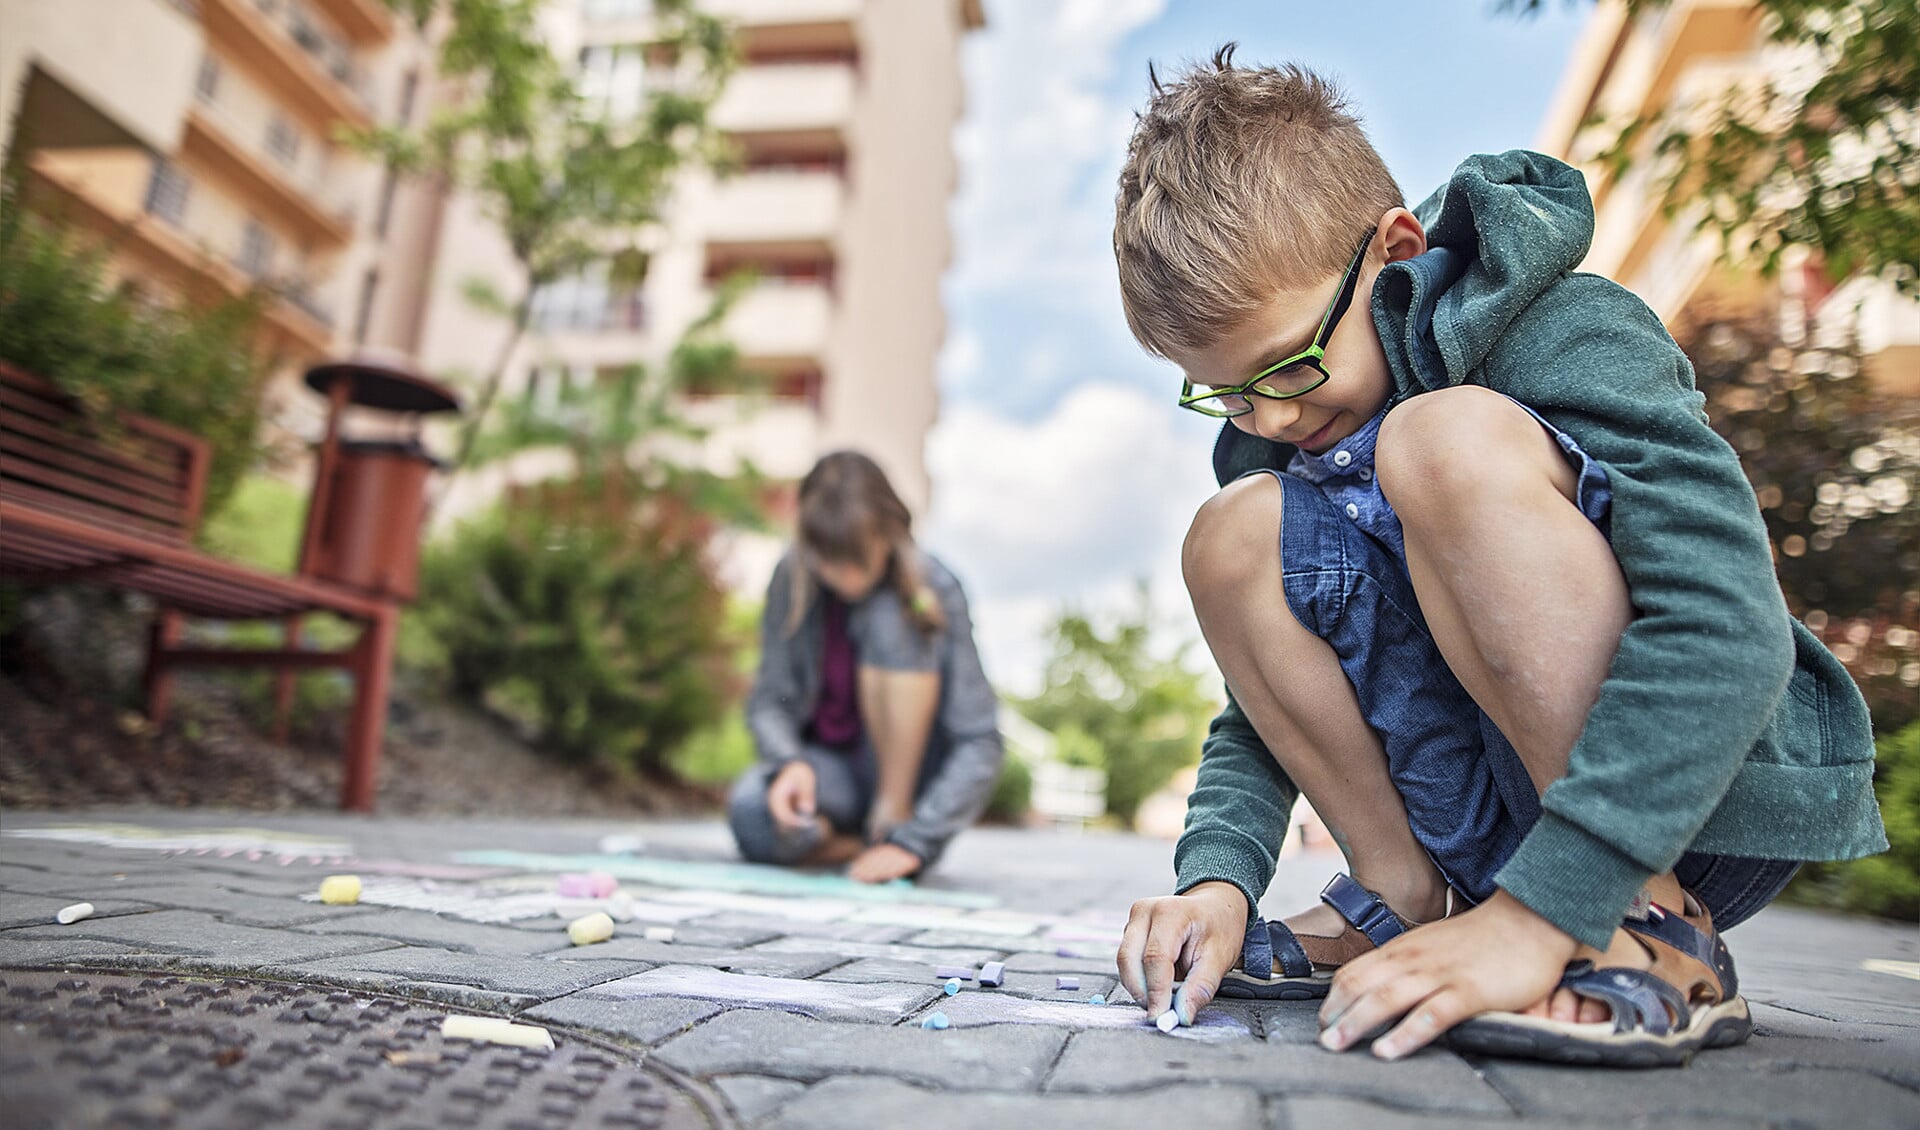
(1289, 683)
(897, 708)
(835, 847)
(1523, 595)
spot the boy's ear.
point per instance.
(1402, 235)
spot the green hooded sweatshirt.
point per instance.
(1723, 725)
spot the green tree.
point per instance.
(1115, 706)
(1821, 151)
(569, 183)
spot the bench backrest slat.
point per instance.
(138, 475)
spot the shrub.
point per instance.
(594, 623)
(1887, 884)
(1012, 792)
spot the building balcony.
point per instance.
(310, 72)
(787, 97)
(368, 23)
(211, 142)
(782, 320)
(752, 12)
(104, 190)
(775, 205)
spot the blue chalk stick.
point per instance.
(1097, 998)
(953, 987)
(936, 1022)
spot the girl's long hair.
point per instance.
(846, 505)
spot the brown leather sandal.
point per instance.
(1278, 964)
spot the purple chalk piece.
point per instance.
(949, 972)
(1068, 983)
(1066, 951)
(993, 974)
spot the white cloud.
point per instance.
(1071, 509)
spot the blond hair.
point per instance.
(846, 506)
(1239, 181)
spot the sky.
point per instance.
(1063, 473)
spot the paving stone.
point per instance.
(1008, 1057)
(409, 966)
(38, 910)
(753, 1097)
(883, 1104)
(771, 906)
(799, 928)
(245, 908)
(989, 1006)
(762, 963)
(647, 1021)
(1106, 1061)
(1796, 1096)
(1038, 986)
(1895, 1058)
(874, 1004)
(192, 932)
(1311, 1111)
(1042, 986)
(924, 956)
(921, 917)
(706, 932)
(967, 939)
(1051, 962)
(417, 927)
(43, 953)
(74, 888)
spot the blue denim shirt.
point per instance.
(1345, 475)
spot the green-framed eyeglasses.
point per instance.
(1298, 375)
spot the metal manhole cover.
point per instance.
(142, 1051)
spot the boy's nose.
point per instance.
(1272, 418)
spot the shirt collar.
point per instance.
(1358, 448)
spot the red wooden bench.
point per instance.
(120, 506)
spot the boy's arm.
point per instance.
(1702, 666)
(1238, 812)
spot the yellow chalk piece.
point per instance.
(489, 1030)
(340, 890)
(595, 927)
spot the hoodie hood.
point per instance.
(1504, 228)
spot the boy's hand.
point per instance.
(1499, 955)
(790, 795)
(1195, 936)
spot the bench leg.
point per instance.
(283, 687)
(159, 676)
(372, 667)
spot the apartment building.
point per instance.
(1688, 53)
(201, 138)
(842, 111)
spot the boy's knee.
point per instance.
(1444, 444)
(1235, 536)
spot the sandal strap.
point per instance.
(1363, 909)
(1267, 940)
(1639, 1000)
(1704, 946)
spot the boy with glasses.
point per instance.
(1484, 586)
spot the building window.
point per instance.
(283, 141)
(256, 249)
(167, 193)
(588, 301)
(614, 78)
(363, 316)
(409, 90)
(207, 83)
(600, 10)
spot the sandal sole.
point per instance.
(1238, 986)
(1512, 1036)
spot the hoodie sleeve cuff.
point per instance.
(1573, 879)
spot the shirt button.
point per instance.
(1353, 510)
(1342, 458)
(1366, 474)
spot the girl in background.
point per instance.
(874, 722)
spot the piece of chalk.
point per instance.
(70, 914)
(1167, 1021)
(1069, 983)
(659, 933)
(952, 987)
(936, 1022)
(1063, 951)
(1097, 999)
(489, 1030)
(618, 844)
(620, 906)
(595, 927)
(340, 890)
(587, 885)
(993, 973)
(947, 972)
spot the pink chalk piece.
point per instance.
(587, 885)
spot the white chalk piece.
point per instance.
(340, 890)
(489, 1030)
(993, 973)
(620, 906)
(595, 927)
(1070, 984)
(1168, 1021)
(70, 914)
(659, 934)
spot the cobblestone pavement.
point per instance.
(788, 1000)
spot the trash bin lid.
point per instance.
(386, 384)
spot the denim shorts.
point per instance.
(1467, 795)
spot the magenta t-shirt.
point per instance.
(836, 717)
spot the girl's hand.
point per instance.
(1499, 955)
(1196, 936)
(883, 863)
(790, 795)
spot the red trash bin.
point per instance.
(369, 537)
